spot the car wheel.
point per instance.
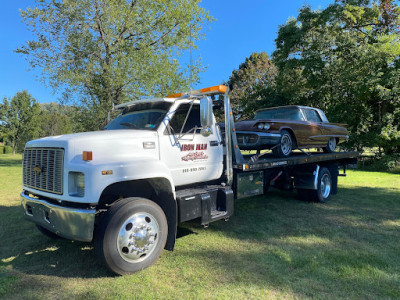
(47, 232)
(131, 235)
(324, 187)
(331, 146)
(285, 146)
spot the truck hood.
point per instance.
(105, 145)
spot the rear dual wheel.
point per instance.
(324, 188)
(131, 235)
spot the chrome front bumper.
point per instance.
(71, 223)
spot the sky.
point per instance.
(241, 28)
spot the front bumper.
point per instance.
(253, 140)
(71, 223)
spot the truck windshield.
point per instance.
(143, 116)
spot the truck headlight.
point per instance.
(76, 184)
(260, 126)
(266, 126)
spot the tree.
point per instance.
(253, 85)
(55, 119)
(110, 51)
(19, 119)
(345, 59)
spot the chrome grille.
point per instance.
(43, 169)
(247, 139)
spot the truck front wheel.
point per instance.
(131, 235)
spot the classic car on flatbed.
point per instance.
(286, 128)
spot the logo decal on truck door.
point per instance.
(192, 156)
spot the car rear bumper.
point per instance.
(71, 223)
(249, 140)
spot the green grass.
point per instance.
(273, 247)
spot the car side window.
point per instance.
(312, 115)
(193, 120)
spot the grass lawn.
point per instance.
(273, 247)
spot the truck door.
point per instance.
(190, 156)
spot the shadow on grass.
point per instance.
(7, 160)
(345, 248)
(24, 249)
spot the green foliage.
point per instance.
(7, 150)
(345, 60)
(2, 149)
(384, 163)
(19, 120)
(108, 52)
(252, 85)
(55, 119)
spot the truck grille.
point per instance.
(43, 169)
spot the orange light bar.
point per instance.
(87, 155)
(218, 89)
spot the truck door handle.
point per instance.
(214, 143)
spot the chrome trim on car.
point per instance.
(318, 137)
(71, 223)
(261, 134)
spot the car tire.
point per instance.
(285, 146)
(331, 146)
(47, 232)
(131, 235)
(324, 188)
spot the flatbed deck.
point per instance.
(268, 161)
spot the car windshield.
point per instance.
(293, 114)
(143, 116)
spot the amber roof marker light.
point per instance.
(217, 89)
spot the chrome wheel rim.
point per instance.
(138, 237)
(332, 144)
(325, 186)
(286, 144)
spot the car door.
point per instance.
(314, 127)
(189, 155)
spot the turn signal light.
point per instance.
(87, 155)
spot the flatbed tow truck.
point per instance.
(161, 162)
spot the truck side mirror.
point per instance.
(206, 116)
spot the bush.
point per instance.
(384, 163)
(8, 150)
(2, 149)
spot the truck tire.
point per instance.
(324, 188)
(47, 232)
(131, 235)
(331, 146)
(285, 146)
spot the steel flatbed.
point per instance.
(268, 161)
